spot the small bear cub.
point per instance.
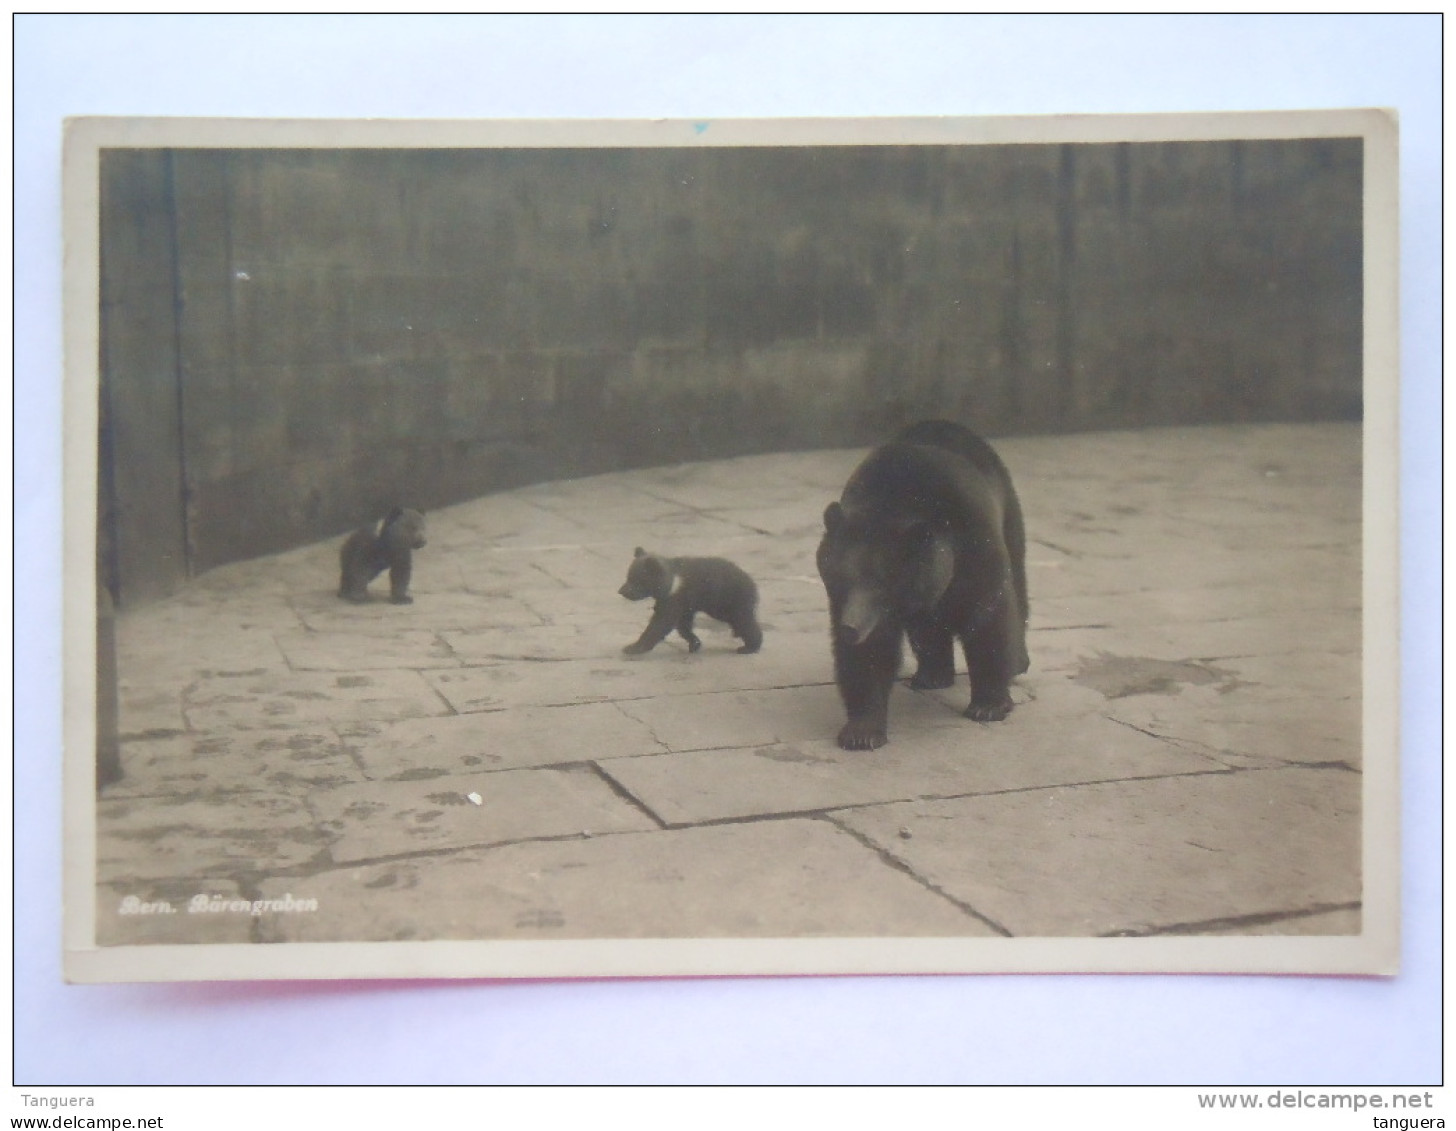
(365, 555)
(684, 587)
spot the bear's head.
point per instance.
(881, 569)
(648, 576)
(404, 529)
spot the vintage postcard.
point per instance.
(570, 548)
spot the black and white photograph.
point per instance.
(537, 549)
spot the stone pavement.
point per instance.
(485, 763)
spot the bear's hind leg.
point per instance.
(747, 630)
(989, 658)
(399, 579)
(685, 630)
(355, 594)
(356, 560)
(934, 649)
(354, 581)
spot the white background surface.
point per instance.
(1064, 1029)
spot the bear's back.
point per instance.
(715, 585)
(960, 440)
(900, 484)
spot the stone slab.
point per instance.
(380, 819)
(1113, 563)
(1252, 636)
(734, 483)
(592, 572)
(234, 761)
(1163, 606)
(148, 709)
(489, 518)
(215, 604)
(765, 880)
(431, 612)
(1136, 857)
(1333, 675)
(1207, 708)
(774, 473)
(669, 669)
(551, 540)
(803, 521)
(1219, 641)
(536, 643)
(1318, 729)
(157, 649)
(761, 718)
(415, 749)
(369, 650)
(309, 698)
(936, 761)
(269, 581)
(582, 500)
(217, 835)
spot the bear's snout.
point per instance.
(862, 613)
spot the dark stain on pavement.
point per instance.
(424, 773)
(152, 734)
(1117, 677)
(788, 754)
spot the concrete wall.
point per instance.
(296, 340)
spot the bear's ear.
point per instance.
(639, 552)
(833, 517)
(393, 515)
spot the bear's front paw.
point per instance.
(636, 648)
(862, 734)
(992, 711)
(401, 599)
(931, 681)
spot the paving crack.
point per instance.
(450, 708)
(351, 751)
(1233, 922)
(891, 860)
(651, 732)
(325, 863)
(627, 795)
(1222, 771)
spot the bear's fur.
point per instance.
(927, 541)
(684, 587)
(366, 554)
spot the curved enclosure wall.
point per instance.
(294, 341)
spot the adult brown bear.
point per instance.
(927, 542)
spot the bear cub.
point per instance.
(366, 554)
(926, 542)
(684, 587)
